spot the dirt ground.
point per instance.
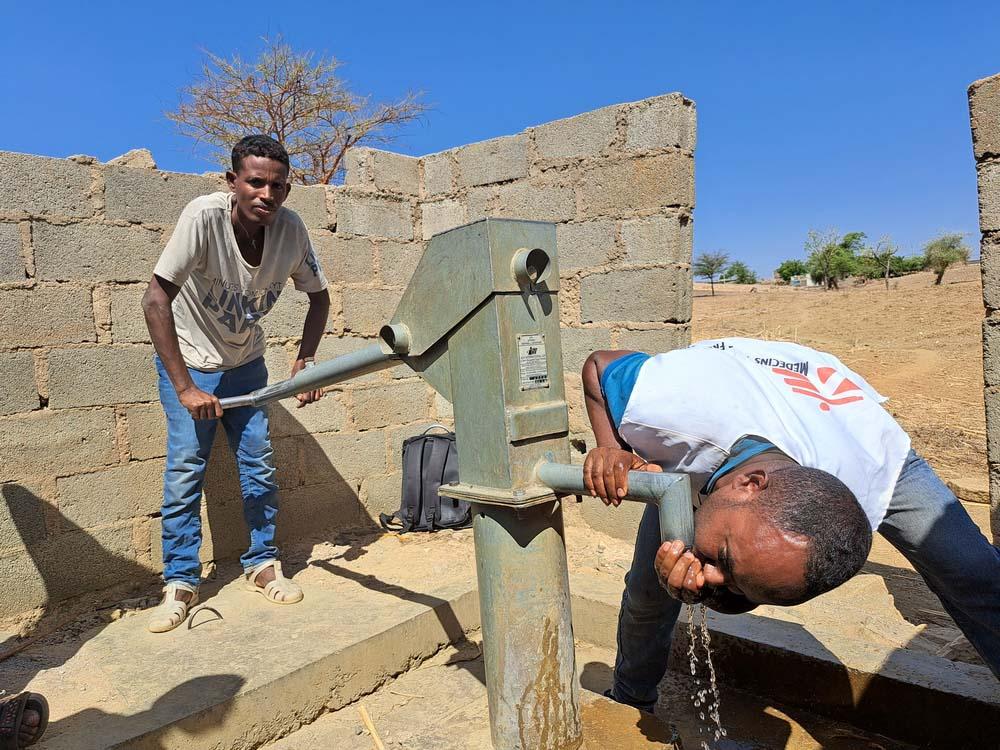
(918, 344)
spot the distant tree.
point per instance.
(738, 273)
(882, 256)
(709, 265)
(943, 251)
(831, 257)
(292, 97)
(791, 268)
(909, 264)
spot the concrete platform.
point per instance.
(245, 672)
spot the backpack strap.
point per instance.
(432, 472)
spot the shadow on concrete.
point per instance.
(209, 697)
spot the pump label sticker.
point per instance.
(532, 365)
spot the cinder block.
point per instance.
(367, 310)
(478, 202)
(661, 122)
(989, 196)
(148, 196)
(17, 382)
(522, 200)
(278, 361)
(992, 398)
(623, 188)
(383, 494)
(578, 343)
(287, 461)
(990, 267)
(439, 216)
(984, 108)
(357, 168)
(399, 434)
(374, 215)
(95, 252)
(659, 295)
(326, 415)
(115, 494)
(439, 173)
(319, 511)
(44, 187)
(443, 410)
(128, 324)
(584, 135)
(48, 443)
(397, 403)
(46, 315)
(496, 160)
(309, 202)
(101, 376)
(22, 581)
(22, 516)
(398, 261)
(285, 319)
(345, 259)
(584, 245)
(80, 561)
(147, 431)
(334, 346)
(346, 457)
(658, 239)
(655, 341)
(621, 522)
(11, 262)
(395, 173)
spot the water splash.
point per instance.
(704, 698)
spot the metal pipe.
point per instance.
(344, 367)
(671, 493)
(524, 607)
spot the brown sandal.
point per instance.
(12, 708)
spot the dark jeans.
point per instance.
(925, 522)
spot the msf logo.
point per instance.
(836, 390)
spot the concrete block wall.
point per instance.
(984, 108)
(82, 438)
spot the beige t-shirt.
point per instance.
(222, 296)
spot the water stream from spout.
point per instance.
(705, 698)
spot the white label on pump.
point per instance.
(532, 365)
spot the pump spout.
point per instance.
(670, 493)
(347, 366)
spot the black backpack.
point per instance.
(429, 460)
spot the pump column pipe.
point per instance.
(670, 493)
(344, 367)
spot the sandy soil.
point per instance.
(918, 344)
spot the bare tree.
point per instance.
(288, 95)
(883, 254)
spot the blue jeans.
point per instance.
(189, 444)
(925, 522)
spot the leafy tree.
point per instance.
(791, 268)
(909, 264)
(832, 258)
(738, 273)
(708, 265)
(288, 95)
(943, 251)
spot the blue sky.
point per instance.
(850, 115)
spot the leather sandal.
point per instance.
(12, 708)
(281, 590)
(171, 612)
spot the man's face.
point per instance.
(744, 552)
(260, 187)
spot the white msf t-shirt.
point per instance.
(222, 296)
(689, 406)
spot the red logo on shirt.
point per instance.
(834, 384)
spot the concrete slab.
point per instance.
(246, 672)
(442, 705)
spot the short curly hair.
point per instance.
(259, 145)
(816, 505)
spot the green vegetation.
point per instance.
(709, 265)
(738, 273)
(942, 251)
(791, 268)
